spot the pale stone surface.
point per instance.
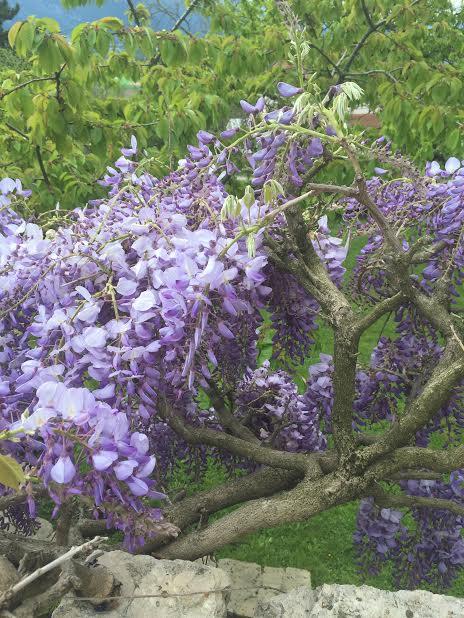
(341, 601)
(45, 532)
(297, 603)
(252, 583)
(8, 574)
(146, 576)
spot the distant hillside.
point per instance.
(69, 18)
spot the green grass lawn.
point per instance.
(322, 545)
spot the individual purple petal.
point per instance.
(452, 165)
(147, 468)
(432, 168)
(94, 337)
(380, 171)
(287, 90)
(63, 471)
(228, 133)
(204, 137)
(7, 185)
(104, 393)
(315, 147)
(140, 442)
(126, 287)
(248, 108)
(225, 331)
(137, 486)
(260, 104)
(49, 393)
(144, 302)
(124, 469)
(104, 459)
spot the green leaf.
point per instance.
(77, 31)
(453, 139)
(11, 473)
(63, 47)
(103, 42)
(173, 51)
(54, 119)
(112, 23)
(25, 39)
(13, 33)
(49, 56)
(162, 129)
(196, 51)
(50, 24)
(37, 129)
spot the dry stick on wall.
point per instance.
(9, 594)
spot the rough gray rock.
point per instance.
(45, 532)
(252, 583)
(172, 589)
(8, 574)
(295, 604)
(340, 601)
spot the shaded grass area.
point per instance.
(322, 545)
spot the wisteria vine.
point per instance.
(155, 297)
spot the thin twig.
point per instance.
(185, 14)
(24, 84)
(133, 12)
(38, 153)
(11, 592)
(16, 130)
(166, 595)
(176, 26)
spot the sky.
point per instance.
(69, 18)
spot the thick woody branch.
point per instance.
(191, 509)
(7, 596)
(436, 392)
(431, 308)
(227, 419)
(342, 319)
(237, 446)
(415, 475)
(443, 461)
(363, 196)
(307, 499)
(310, 270)
(398, 501)
(19, 498)
(379, 310)
(39, 604)
(420, 257)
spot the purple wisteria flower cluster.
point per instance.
(431, 209)
(270, 405)
(145, 305)
(144, 298)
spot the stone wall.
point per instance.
(229, 588)
(252, 583)
(340, 601)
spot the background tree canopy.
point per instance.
(68, 111)
(7, 12)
